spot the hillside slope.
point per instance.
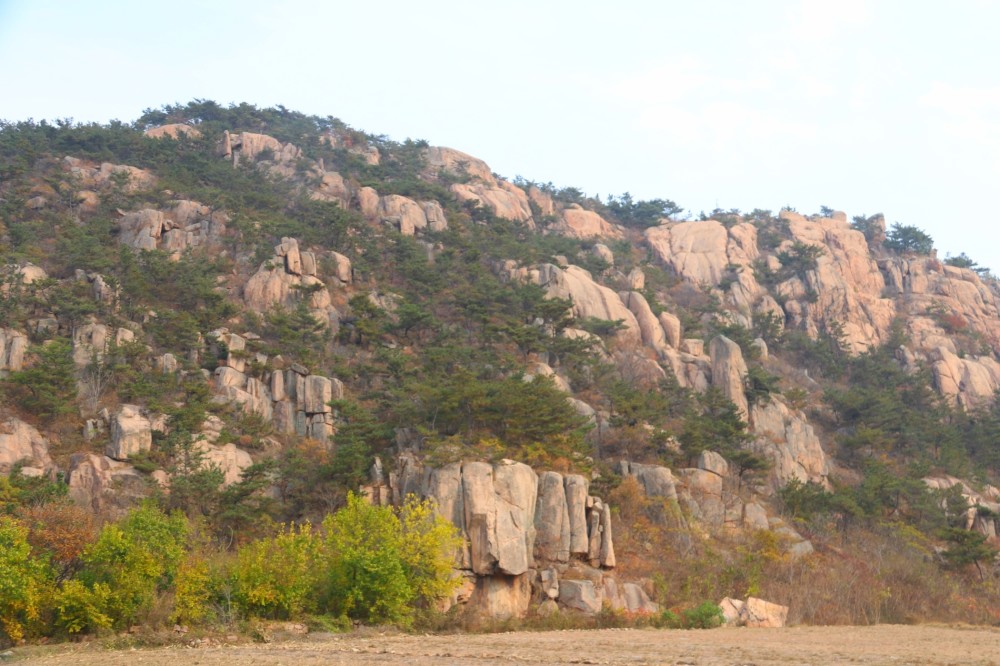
(246, 313)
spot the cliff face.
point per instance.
(666, 305)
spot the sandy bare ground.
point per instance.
(896, 645)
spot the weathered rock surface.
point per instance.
(965, 382)
(759, 613)
(184, 225)
(283, 281)
(106, 175)
(701, 251)
(552, 526)
(576, 222)
(228, 459)
(649, 325)
(104, 485)
(637, 601)
(790, 442)
(579, 595)
(847, 284)
(13, 346)
(505, 200)
(729, 371)
(131, 433)
(172, 131)
(251, 146)
(458, 163)
(409, 216)
(589, 298)
(21, 442)
(501, 597)
(91, 341)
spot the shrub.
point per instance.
(382, 565)
(429, 545)
(133, 559)
(81, 609)
(367, 580)
(278, 576)
(59, 531)
(193, 590)
(22, 580)
(704, 616)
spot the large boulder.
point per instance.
(516, 487)
(20, 442)
(281, 281)
(129, 179)
(479, 502)
(656, 481)
(457, 163)
(589, 298)
(649, 325)
(13, 345)
(104, 485)
(576, 222)
(964, 382)
(729, 372)
(503, 200)
(580, 595)
(637, 601)
(576, 507)
(759, 613)
(499, 504)
(403, 213)
(131, 433)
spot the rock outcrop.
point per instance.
(457, 163)
(787, 439)
(576, 222)
(409, 216)
(253, 147)
(172, 131)
(107, 176)
(22, 443)
(290, 276)
(983, 514)
(295, 401)
(104, 485)
(589, 298)
(131, 433)
(503, 200)
(729, 372)
(520, 529)
(91, 341)
(13, 346)
(182, 226)
(845, 289)
(700, 252)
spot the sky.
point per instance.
(864, 106)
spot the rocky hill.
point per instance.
(245, 314)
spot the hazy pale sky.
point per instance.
(860, 105)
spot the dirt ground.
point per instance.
(886, 644)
